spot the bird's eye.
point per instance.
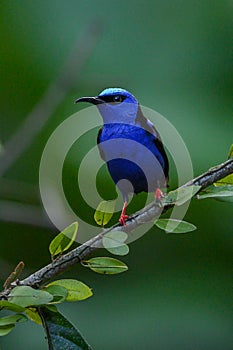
(117, 98)
(112, 98)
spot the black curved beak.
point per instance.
(94, 100)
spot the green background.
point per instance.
(176, 57)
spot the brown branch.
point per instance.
(20, 213)
(148, 213)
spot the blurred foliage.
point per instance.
(176, 57)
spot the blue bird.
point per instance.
(130, 145)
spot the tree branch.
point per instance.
(147, 214)
(21, 213)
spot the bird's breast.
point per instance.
(131, 153)
(129, 141)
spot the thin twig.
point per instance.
(20, 213)
(148, 213)
(52, 97)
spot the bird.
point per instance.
(130, 145)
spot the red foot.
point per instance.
(123, 216)
(158, 194)
(123, 219)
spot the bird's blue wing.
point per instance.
(149, 127)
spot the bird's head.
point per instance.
(116, 105)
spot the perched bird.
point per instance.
(130, 145)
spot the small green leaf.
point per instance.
(104, 212)
(181, 195)
(4, 330)
(8, 323)
(63, 240)
(76, 290)
(174, 226)
(12, 319)
(59, 293)
(61, 334)
(227, 180)
(106, 265)
(120, 250)
(230, 153)
(113, 241)
(51, 307)
(4, 304)
(33, 315)
(170, 198)
(222, 193)
(27, 296)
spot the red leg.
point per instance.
(158, 193)
(123, 216)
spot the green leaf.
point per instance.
(59, 293)
(27, 296)
(113, 241)
(227, 180)
(120, 250)
(51, 307)
(33, 315)
(106, 265)
(7, 323)
(76, 290)
(12, 319)
(63, 240)
(230, 153)
(4, 330)
(222, 193)
(174, 226)
(61, 334)
(4, 304)
(104, 212)
(181, 195)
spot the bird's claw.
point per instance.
(158, 194)
(123, 219)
